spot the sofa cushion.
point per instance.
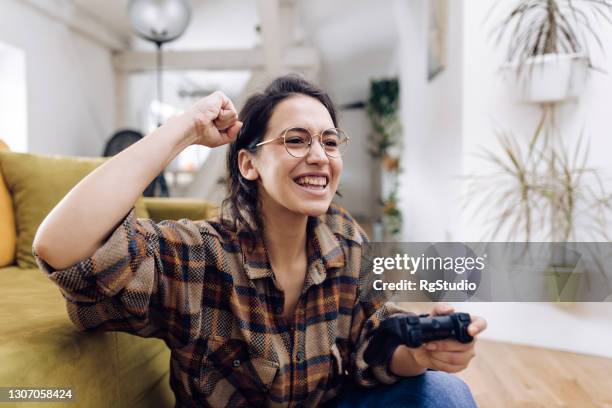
(175, 208)
(39, 346)
(37, 183)
(8, 232)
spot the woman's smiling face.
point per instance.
(304, 185)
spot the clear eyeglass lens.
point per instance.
(333, 141)
(296, 142)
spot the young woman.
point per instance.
(259, 306)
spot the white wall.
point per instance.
(70, 82)
(355, 185)
(356, 40)
(488, 106)
(578, 327)
(13, 100)
(432, 119)
(445, 121)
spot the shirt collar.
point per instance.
(324, 250)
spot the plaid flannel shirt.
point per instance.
(217, 306)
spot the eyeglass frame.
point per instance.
(284, 133)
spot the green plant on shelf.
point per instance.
(392, 216)
(382, 109)
(385, 147)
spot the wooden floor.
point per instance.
(507, 375)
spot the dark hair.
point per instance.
(242, 196)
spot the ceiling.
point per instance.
(356, 38)
(357, 41)
(111, 13)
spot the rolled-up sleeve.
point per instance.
(133, 281)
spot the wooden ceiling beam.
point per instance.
(294, 58)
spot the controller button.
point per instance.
(413, 320)
(464, 317)
(300, 357)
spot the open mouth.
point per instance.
(313, 183)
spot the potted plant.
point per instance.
(542, 188)
(382, 109)
(385, 147)
(548, 58)
(544, 192)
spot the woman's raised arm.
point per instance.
(86, 216)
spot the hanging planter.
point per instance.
(547, 46)
(548, 78)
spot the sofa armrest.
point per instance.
(176, 208)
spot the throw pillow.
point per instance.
(37, 183)
(8, 233)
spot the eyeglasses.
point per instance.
(298, 141)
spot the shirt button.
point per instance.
(278, 309)
(300, 356)
(236, 363)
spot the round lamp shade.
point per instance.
(159, 21)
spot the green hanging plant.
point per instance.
(385, 146)
(382, 109)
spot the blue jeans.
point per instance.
(433, 389)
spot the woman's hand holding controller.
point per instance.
(447, 355)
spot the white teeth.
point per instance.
(312, 181)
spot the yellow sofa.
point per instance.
(39, 346)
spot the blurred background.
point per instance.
(452, 111)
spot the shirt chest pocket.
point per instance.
(228, 366)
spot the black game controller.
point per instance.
(413, 331)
